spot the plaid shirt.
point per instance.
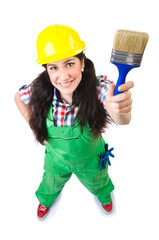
(64, 114)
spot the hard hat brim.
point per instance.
(55, 58)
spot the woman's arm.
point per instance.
(23, 108)
(119, 106)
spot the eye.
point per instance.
(53, 68)
(70, 64)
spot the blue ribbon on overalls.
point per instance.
(105, 157)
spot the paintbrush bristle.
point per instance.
(130, 41)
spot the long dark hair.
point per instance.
(91, 110)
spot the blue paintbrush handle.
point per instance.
(123, 71)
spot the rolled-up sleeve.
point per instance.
(25, 93)
(103, 85)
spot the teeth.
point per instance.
(65, 84)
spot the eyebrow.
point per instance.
(53, 64)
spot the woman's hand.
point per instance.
(119, 106)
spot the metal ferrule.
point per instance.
(126, 58)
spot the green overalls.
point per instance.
(69, 150)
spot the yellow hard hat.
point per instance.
(58, 42)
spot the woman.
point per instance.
(68, 108)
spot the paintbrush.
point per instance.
(127, 53)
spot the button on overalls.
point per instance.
(69, 150)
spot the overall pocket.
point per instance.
(101, 179)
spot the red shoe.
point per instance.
(42, 211)
(108, 207)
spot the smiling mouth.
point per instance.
(66, 85)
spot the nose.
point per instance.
(63, 75)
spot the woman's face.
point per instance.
(66, 75)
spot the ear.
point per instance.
(82, 63)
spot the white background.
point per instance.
(76, 214)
